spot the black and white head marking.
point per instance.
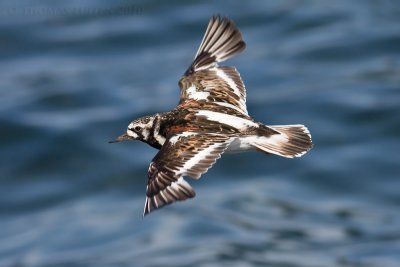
(140, 129)
(147, 129)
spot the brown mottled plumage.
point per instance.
(211, 118)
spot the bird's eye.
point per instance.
(137, 128)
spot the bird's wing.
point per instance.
(184, 154)
(205, 80)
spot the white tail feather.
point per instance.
(293, 141)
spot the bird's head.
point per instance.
(139, 129)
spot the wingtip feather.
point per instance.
(177, 191)
(221, 41)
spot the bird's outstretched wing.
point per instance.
(185, 154)
(204, 80)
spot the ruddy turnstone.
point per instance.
(211, 118)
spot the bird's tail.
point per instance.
(291, 141)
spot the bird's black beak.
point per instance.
(120, 138)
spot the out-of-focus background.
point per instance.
(73, 74)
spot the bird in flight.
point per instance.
(210, 119)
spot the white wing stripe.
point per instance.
(230, 120)
(198, 157)
(224, 104)
(232, 85)
(228, 80)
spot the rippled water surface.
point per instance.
(74, 73)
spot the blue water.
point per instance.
(73, 74)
